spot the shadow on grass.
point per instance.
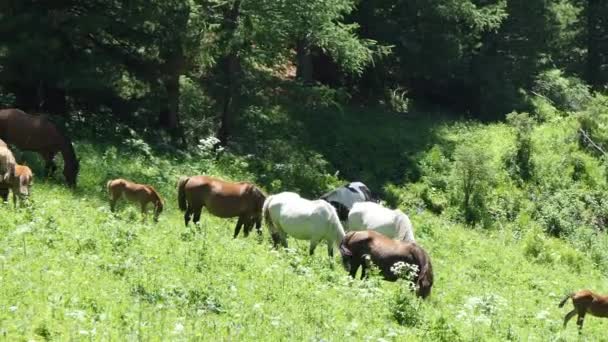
(367, 144)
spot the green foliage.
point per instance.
(7, 100)
(520, 162)
(398, 100)
(565, 93)
(407, 307)
(471, 179)
(593, 123)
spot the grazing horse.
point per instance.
(222, 199)
(7, 163)
(357, 248)
(289, 214)
(584, 302)
(134, 192)
(345, 196)
(36, 133)
(392, 223)
(20, 184)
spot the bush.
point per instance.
(471, 176)
(519, 163)
(6, 100)
(196, 110)
(407, 306)
(565, 93)
(397, 100)
(594, 125)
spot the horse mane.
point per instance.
(260, 195)
(159, 200)
(335, 220)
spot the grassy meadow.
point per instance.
(72, 270)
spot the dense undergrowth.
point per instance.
(513, 215)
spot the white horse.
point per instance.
(289, 214)
(392, 223)
(345, 196)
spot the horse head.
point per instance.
(70, 171)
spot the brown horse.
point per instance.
(584, 302)
(20, 184)
(358, 247)
(36, 133)
(134, 192)
(222, 199)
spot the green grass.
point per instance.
(71, 270)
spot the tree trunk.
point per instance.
(231, 90)
(304, 62)
(594, 61)
(230, 67)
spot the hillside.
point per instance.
(73, 270)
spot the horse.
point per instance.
(7, 163)
(345, 196)
(134, 192)
(357, 248)
(36, 133)
(584, 302)
(7, 169)
(222, 199)
(19, 185)
(287, 213)
(392, 223)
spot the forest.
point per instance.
(485, 121)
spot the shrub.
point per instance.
(406, 308)
(471, 176)
(6, 100)
(594, 125)
(397, 100)
(566, 93)
(520, 162)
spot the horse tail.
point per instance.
(109, 186)
(260, 199)
(266, 213)
(405, 227)
(336, 225)
(181, 193)
(425, 276)
(568, 296)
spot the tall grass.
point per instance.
(72, 270)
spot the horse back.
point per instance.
(28, 131)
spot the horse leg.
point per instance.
(197, 214)
(569, 316)
(237, 229)
(258, 225)
(311, 249)
(4, 194)
(247, 224)
(15, 195)
(365, 264)
(113, 200)
(354, 267)
(330, 249)
(187, 215)
(50, 167)
(144, 211)
(579, 321)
